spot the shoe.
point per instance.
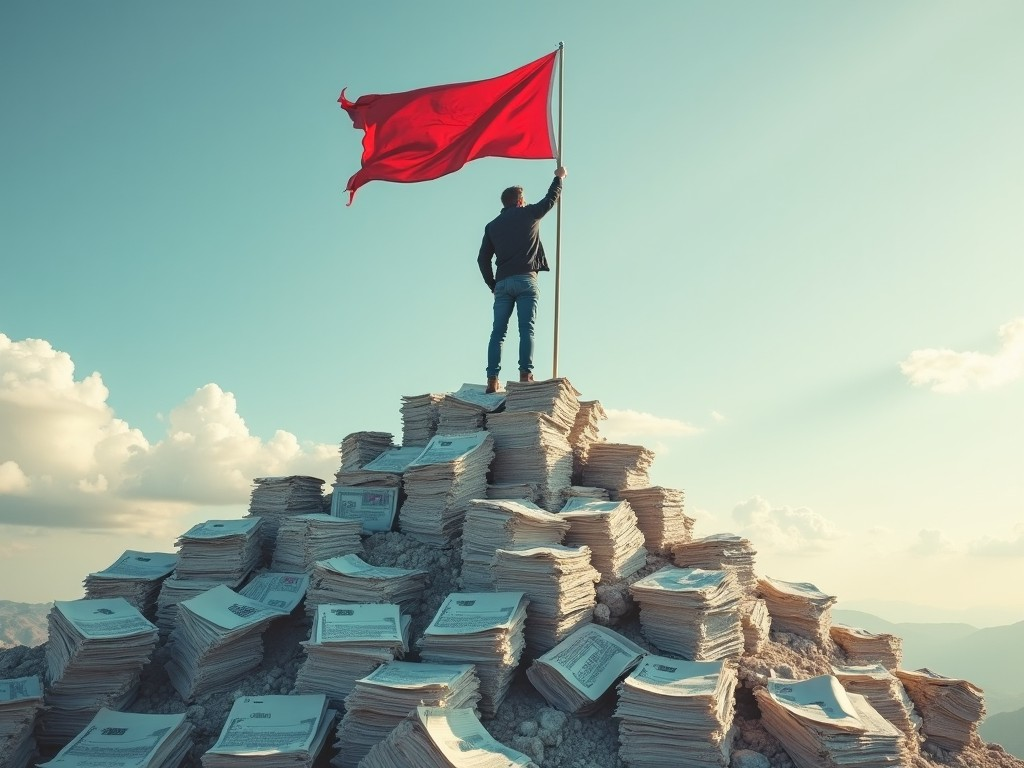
(525, 376)
(493, 386)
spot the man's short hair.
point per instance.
(511, 196)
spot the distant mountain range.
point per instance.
(23, 623)
(989, 658)
(1007, 730)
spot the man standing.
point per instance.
(513, 239)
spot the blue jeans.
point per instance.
(519, 291)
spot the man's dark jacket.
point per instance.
(514, 238)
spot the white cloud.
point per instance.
(929, 543)
(628, 426)
(67, 461)
(783, 529)
(988, 546)
(950, 372)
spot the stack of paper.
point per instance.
(669, 707)
(591, 492)
(691, 612)
(576, 673)
(609, 528)
(464, 411)
(420, 415)
(756, 623)
(384, 470)
(304, 539)
(502, 524)
(556, 398)
(176, 591)
(484, 629)
(531, 448)
(799, 608)
(280, 591)
(863, 647)
(21, 699)
(721, 551)
(373, 506)
(617, 466)
(276, 498)
(584, 433)
(435, 737)
(950, 708)
(360, 448)
(217, 640)
(94, 659)
(349, 579)
(440, 483)
(382, 699)
(559, 582)
(528, 491)
(347, 642)
(885, 693)
(821, 726)
(219, 551)
(135, 576)
(124, 739)
(272, 731)
(659, 513)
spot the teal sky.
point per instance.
(791, 265)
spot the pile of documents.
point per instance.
(484, 629)
(440, 483)
(360, 448)
(135, 576)
(347, 642)
(531, 448)
(863, 647)
(94, 659)
(304, 539)
(219, 551)
(576, 673)
(821, 726)
(556, 398)
(523, 491)
(691, 612)
(272, 731)
(559, 582)
(584, 433)
(721, 551)
(659, 514)
(275, 498)
(281, 591)
(218, 638)
(670, 707)
(21, 699)
(950, 708)
(437, 737)
(609, 528)
(349, 579)
(385, 469)
(885, 693)
(756, 623)
(420, 415)
(464, 411)
(382, 699)
(493, 524)
(798, 608)
(617, 466)
(114, 738)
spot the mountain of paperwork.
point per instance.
(94, 659)
(382, 699)
(609, 529)
(135, 576)
(348, 641)
(669, 707)
(559, 582)
(821, 726)
(576, 673)
(496, 524)
(691, 612)
(484, 629)
(435, 737)
(799, 608)
(349, 579)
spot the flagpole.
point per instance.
(558, 208)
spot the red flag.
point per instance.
(430, 132)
